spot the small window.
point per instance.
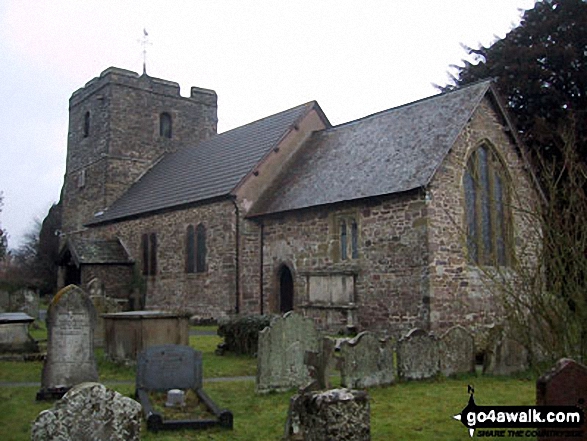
(81, 179)
(201, 249)
(165, 125)
(149, 253)
(348, 236)
(190, 250)
(87, 124)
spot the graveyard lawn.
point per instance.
(405, 411)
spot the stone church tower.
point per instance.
(120, 124)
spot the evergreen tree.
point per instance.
(540, 69)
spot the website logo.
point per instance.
(542, 420)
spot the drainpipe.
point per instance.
(236, 259)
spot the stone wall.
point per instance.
(459, 291)
(208, 294)
(389, 273)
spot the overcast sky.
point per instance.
(354, 57)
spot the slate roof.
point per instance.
(210, 169)
(389, 152)
(96, 252)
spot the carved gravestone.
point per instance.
(457, 351)
(165, 367)
(338, 414)
(505, 356)
(367, 361)
(89, 411)
(564, 385)
(417, 355)
(71, 319)
(282, 352)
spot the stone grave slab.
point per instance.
(14, 333)
(367, 361)
(337, 414)
(457, 351)
(418, 355)
(282, 352)
(564, 385)
(176, 368)
(70, 360)
(89, 411)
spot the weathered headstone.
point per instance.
(505, 356)
(564, 385)
(4, 301)
(417, 355)
(89, 411)
(103, 305)
(367, 361)
(166, 367)
(22, 300)
(70, 360)
(338, 414)
(14, 333)
(457, 351)
(282, 352)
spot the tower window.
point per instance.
(87, 124)
(165, 125)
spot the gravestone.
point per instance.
(564, 385)
(14, 333)
(367, 361)
(22, 300)
(282, 351)
(89, 411)
(4, 301)
(457, 351)
(505, 356)
(71, 319)
(176, 368)
(338, 414)
(166, 367)
(417, 355)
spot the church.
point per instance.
(386, 223)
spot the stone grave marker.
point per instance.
(367, 361)
(89, 411)
(417, 355)
(166, 367)
(457, 351)
(338, 414)
(564, 385)
(70, 360)
(176, 369)
(506, 355)
(282, 352)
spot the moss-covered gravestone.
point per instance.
(71, 319)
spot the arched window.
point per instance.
(343, 241)
(354, 240)
(486, 209)
(165, 125)
(87, 124)
(190, 250)
(153, 254)
(201, 248)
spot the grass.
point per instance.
(405, 411)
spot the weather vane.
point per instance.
(145, 42)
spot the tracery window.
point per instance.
(487, 209)
(149, 253)
(196, 249)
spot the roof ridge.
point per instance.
(411, 103)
